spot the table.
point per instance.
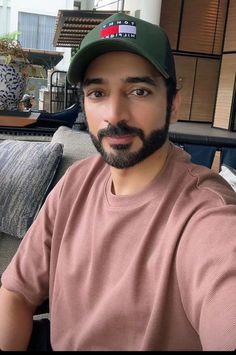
(26, 126)
(201, 133)
(18, 121)
(202, 139)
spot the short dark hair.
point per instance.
(171, 93)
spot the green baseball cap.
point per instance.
(121, 32)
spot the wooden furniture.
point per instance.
(18, 121)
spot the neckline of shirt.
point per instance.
(146, 195)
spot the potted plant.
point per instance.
(14, 70)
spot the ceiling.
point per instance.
(47, 59)
(73, 25)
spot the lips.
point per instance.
(124, 139)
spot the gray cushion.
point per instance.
(77, 145)
(26, 173)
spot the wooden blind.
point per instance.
(220, 27)
(185, 72)
(169, 19)
(230, 34)
(200, 28)
(205, 88)
(225, 91)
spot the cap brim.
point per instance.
(85, 55)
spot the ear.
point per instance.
(175, 108)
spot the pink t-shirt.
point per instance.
(151, 271)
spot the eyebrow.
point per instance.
(129, 80)
(88, 82)
(141, 79)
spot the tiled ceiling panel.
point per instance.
(73, 25)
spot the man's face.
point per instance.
(125, 102)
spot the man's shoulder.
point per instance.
(210, 185)
(200, 181)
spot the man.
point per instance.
(134, 247)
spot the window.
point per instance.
(5, 19)
(36, 31)
(77, 5)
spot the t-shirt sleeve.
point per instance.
(206, 269)
(28, 271)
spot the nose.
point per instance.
(117, 109)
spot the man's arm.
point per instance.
(16, 319)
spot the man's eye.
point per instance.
(95, 94)
(140, 92)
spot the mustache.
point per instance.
(119, 130)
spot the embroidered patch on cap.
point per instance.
(117, 29)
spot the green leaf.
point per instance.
(8, 59)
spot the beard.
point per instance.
(123, 158)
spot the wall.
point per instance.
(149, 9)
(87, 4)
(4, 15)
(146, 9)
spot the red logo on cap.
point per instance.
(117, 29)
(109, 31)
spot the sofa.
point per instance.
(29, 169)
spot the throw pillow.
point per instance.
(229, 174)
(26, 172)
